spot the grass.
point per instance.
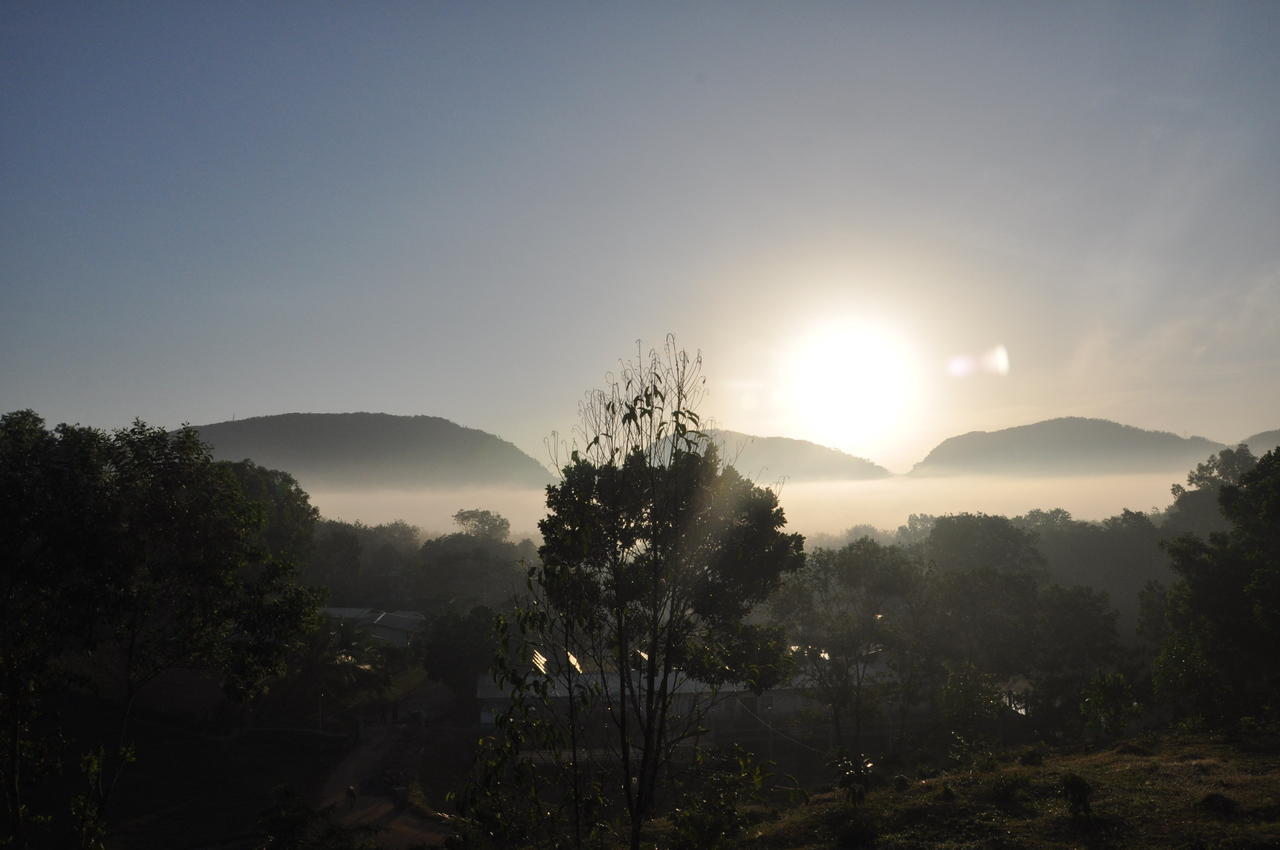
(1174, 792)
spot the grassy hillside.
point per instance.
(1179, 792)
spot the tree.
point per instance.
(921, 646)
(484, 524)
(336, 667)
(334, 564)
(456, 649)
(476, 566)
(1075, 642)
(288, 521)
(1195, 508)
(988, 573)
(362, 565)
(842, 613)
(1119, 555)
(915, 534)
(1223, 612)
(55, 502)
(961, 542)
(653, 555)
(127, 554)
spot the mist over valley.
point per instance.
(812, 507)
(378, 468)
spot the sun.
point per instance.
(849, 385)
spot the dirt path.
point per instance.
(399, 828)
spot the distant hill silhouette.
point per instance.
(1067, 446)
(770, 458)
(1262, 443)
(374, 450)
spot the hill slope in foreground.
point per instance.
(374, 450)
(765, 459)
(1068, 446)
(1176, 792)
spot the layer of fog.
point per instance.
(432, 510)
(827, 507)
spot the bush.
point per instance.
(1219, 804)
(853, 776)
(1076, 791)
(710, 814)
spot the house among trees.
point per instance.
(772, 721)
(398, 628)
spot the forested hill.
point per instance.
(1068, 446)
(1262, 443)
(374, 450)
(767, 459)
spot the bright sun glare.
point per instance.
(849, 385)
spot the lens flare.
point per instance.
(993, 362)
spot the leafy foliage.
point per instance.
(484, 524)
(456, 650)
(360, 565)
(129, 554)
(463, 570)
(653, 555)
(1223, 612)
(846, 611)
(711, 813)
(1195, 508)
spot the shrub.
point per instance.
(853, 776)
(1076, 791)
(1219, 804)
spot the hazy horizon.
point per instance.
(544, 457)
(811, 507)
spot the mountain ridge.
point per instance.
(1263, 441)
(1071, 445)
(374, 450)
(790, 458)
(367, 450)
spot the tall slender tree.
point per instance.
(653, 555)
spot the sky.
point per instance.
(882, 224)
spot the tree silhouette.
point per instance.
(843, 614)
(485, 524)
(653, 556)
(127, 554)
(1223, 612)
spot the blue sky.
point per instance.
(473, 210)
